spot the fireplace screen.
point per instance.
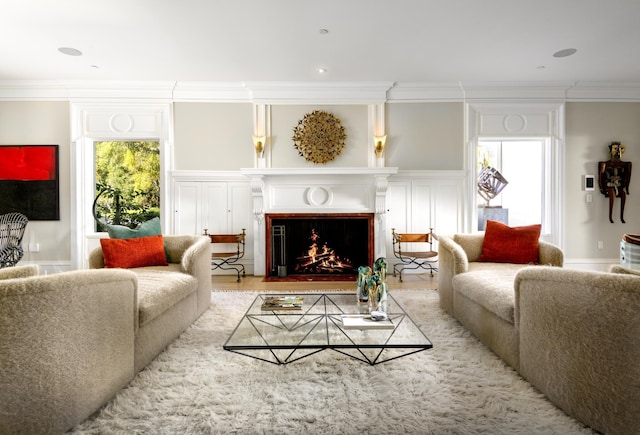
(319, 244)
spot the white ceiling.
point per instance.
(401, 41)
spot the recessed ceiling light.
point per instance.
(324, 31)
(95, 67)
(541, 67)
(70, 51)
(322, 70)
(564, 53)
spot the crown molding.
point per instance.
(515, 90)
(212, 91)
(79, 90)
(318, 93)
(33, 90)
(604, 91)
(415, 92)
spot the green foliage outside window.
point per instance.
(128, 175)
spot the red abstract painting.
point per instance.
(29, 181)
(28, 163)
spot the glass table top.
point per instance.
(284, 336)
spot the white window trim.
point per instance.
(118, 122)
(519, 120)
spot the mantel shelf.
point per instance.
(283, 172)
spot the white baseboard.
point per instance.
(597, 264)
(49, 267)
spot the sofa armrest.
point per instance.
(19, 271)
(579, 342)
(96, 259)
(616, 268)
(67, 346)
(550, 255)
(195, 259)
(452, 260)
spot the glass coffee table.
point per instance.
(285, 336)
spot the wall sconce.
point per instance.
(258, 144)
(379, 142)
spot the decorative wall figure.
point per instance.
(614, 176)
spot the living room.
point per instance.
(206, 117)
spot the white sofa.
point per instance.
(69, 341)
(574, 335)
(579, 342)
(170, 297)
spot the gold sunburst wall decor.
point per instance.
(319, 137)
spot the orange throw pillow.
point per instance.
(140, 252)
(505, 244)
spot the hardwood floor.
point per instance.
(250, 282)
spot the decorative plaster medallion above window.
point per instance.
(319, 137)
(515, 123)
(121, 123)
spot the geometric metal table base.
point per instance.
(282, 337)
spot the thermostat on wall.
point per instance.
(589, 182)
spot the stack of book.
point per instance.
(282, 303)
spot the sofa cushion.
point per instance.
(159, 290)
(137, 252)
(490, 285)
(505, 244)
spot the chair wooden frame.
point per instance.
(412, 260)
(12, 226)
(229, 260)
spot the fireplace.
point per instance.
(318, 246)
(318, 193)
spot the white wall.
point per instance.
(43, 123)
(213, 136)
(425, 136)
(284, 118)
(590, 128)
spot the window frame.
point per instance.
(519, 119)
(545, 188)
(135, 121)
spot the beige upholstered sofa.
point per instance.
(480, 295)
(574, 335)
(579, 342)
(69, 341)
(170, 297)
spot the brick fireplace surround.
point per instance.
(317, 191)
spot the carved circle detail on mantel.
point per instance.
(515, 123)
(319, 137)
(319, 196)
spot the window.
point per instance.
(524, 164)
(127, 176)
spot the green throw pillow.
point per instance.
(145, 229)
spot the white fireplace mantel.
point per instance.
(315, 172)
(317, 190)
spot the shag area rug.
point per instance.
(458, 387)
